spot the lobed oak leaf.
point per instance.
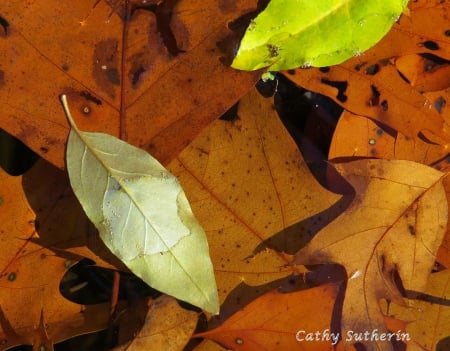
(394, 225)
(251, 190)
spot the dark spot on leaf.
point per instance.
(136, 76)
(65, 67)
(88, 96)
(359, 66)
(1, 201)
(113, 75)
(273, 50)
(43, 149)
(12, 276)
(105, 63)
(402, 76)
(447, 33)
(5, 24)
(231, 115)
(373, 69)
(384, 105)
(379, 132)
(430, 45)
(375, 97)
(291, 72)
(2, 78)
(428, 56)
(324, 69)
(411, 230)
(439, 104)
(340, 85)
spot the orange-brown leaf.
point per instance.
(278, 321)
(394, 225)
(127, 82)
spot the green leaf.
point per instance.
(303, 33)
(142, 215)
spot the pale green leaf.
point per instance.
(142, 215)
(303, 33)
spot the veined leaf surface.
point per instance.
(293, 33)
(142, 215)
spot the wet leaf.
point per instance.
(142, 215)
(253, 193)
(372, 85)
(167, 327)
(41, 219)
(276, 321)
(428, 315)
(395, 224)
(126, 81)
(289, 34)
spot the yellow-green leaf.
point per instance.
(293, 33)
(142, 215)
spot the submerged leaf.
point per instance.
(142, 215)
(293, 33)
(394, 226)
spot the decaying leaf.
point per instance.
(289, 34)
(278, 321)
(167, 327)
(394, 225)
(142, 215)
(128, 82)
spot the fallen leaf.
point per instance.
(380, 94)
(290, 34)
(372, 86)
(37, 226)
(255, 197)
(127, 82)
(358, 136)
(395, 225)
(142, 215)
(428, 315)
(167, 327)
(278, 321)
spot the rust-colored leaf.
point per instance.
(110, 57)
(394, 226)
(40, 220)
(278, 321)
(371, 85)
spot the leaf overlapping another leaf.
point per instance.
(142, 215)
(395, 224)
(289, 34)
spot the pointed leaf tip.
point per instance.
(142, 215)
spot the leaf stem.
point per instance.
(65, 104)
